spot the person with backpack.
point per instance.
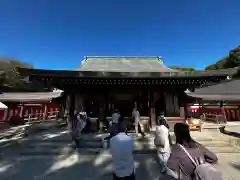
(189, 159)
(79, 123)
(162, 142)
(75, 131)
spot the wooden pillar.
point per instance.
(67, 105)
(170, 104)
(182, 112)
(45, 114)
(176, 105)
(183, 105)
(223, 112)
(101, 115)
(21, 111)
(71, 109)
(79, 106)
(63, 106)
(153, 111)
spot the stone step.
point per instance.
(215, 143)
(226, 149)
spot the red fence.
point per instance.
(25, 111)
(232, 113)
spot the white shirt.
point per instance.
(136, 115)
(121, 148)
(115, 118)
(162, 133)
(81, 123)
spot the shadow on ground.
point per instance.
(236, 165)
(69, 165)
(224, 131)
(74, 167)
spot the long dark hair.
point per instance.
(162, 121)
(183, 136)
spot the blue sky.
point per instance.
(56, 34)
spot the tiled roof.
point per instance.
(225, 90)
(224, 87)
(30, 96)
(135, 74)
(123, 64)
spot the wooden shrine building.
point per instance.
(101, 84)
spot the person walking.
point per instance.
(114, 125)
(162, 142)
(137, 125)
(121, 149)
(75, 131)
(79, 123)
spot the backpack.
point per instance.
(203, 170)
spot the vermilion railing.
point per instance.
(232, 113)
(40, 112)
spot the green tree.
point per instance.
(211, 67)
(230, 61)
(234, 56)
(182, 68)
(9, 75)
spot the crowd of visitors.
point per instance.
(184, 160)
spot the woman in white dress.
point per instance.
(162, 142)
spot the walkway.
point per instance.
(229, 157)
(48, 156)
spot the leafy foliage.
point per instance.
(7, 63)
(182, 68)
(230, 61)
(211, 67)
(9, 75)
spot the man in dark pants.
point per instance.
(75, 130)
(117, 118)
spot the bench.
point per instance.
(215, 118)
(209, 117)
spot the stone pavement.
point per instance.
(11, 134)
(74, 167)
(229, 156)
(54, 160)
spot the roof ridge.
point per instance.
(159, 58)
(130, 59)
(85, 57)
